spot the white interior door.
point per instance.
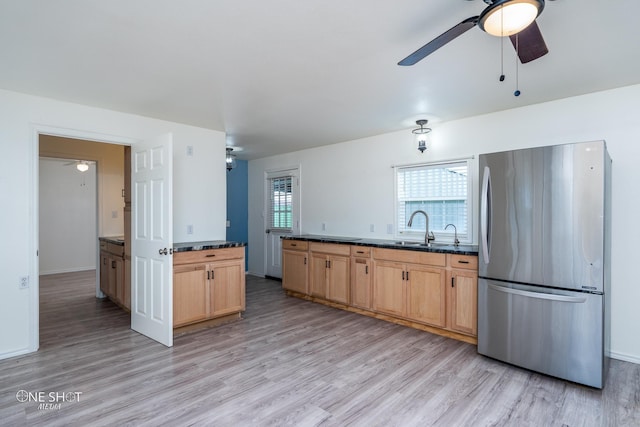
(282, 215)
(152, 239)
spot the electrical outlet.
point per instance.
(189, 229)
(228, 223)
(24, 282)
(189, 150)
(114, 214)
(389, 228)
(372, 228)
(324, 226)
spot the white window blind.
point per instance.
(280, 214)
(441, 190)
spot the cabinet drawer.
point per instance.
(468, 262)
(330, 248)
(295, 245)
(361, 251)
(209, 255)
(415, 257)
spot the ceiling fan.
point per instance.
(513, 18)
(81, 165)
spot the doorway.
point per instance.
(282, 196)
(80, 199)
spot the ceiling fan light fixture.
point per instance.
(508, 17)
(82, 166)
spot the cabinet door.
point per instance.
(119, 279)
(389, 290)
(338, 279)
(105, 266)
(226, 288)
(189, 294)
(426, 295)
(318, 276)
(361, 283)
(294, 271)
(463, 302)
(113, 278)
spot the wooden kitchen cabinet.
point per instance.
(426, 301)
(295, 266)
(361, 274)
(226, 288)
(112, 271)
(207, 284)
(329, 277)
(389, 290)
(189, 294)
(432, 291)
(462, 297)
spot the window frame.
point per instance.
(442, 236)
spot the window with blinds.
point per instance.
(280, 214)
(442, 191)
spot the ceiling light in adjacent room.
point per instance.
(82, 166)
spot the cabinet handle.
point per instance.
(329, 263)
(293, 244)
(208, 275)
(407, 276)
(366, 269)
(305, 260)
(463, 262)
(213, 275)
(402, 274)
(104, 261)
(113, 264)
(210, 255)
(359, 252)
(453, 282)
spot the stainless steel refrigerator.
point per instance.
(544, 260)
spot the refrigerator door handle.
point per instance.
(552, 297)
(485, 213)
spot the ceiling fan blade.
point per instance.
(530, 44)
(440, 41)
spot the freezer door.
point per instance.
(542, 216)
(554, 332)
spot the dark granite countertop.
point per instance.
(447, 248)
(201, 246)
(116, 240)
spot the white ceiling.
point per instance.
(283, 75)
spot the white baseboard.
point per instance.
(67, 270)
(16, 353)
(625, 357)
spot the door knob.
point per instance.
(163, 251)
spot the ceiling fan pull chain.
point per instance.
(517, 92)
(501, 47)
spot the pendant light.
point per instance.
(231, 159)
(421, 134)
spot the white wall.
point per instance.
(67, 204)
(350, 185)
(199, 191)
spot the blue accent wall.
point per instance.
(238, 205)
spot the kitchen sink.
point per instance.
(405, 243)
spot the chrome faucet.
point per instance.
(428, 236)
(456, 242)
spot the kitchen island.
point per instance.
(208, 283)
(428, 287)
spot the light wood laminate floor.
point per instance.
(288, 362)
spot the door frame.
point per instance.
(36, 130)
(294, 171)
